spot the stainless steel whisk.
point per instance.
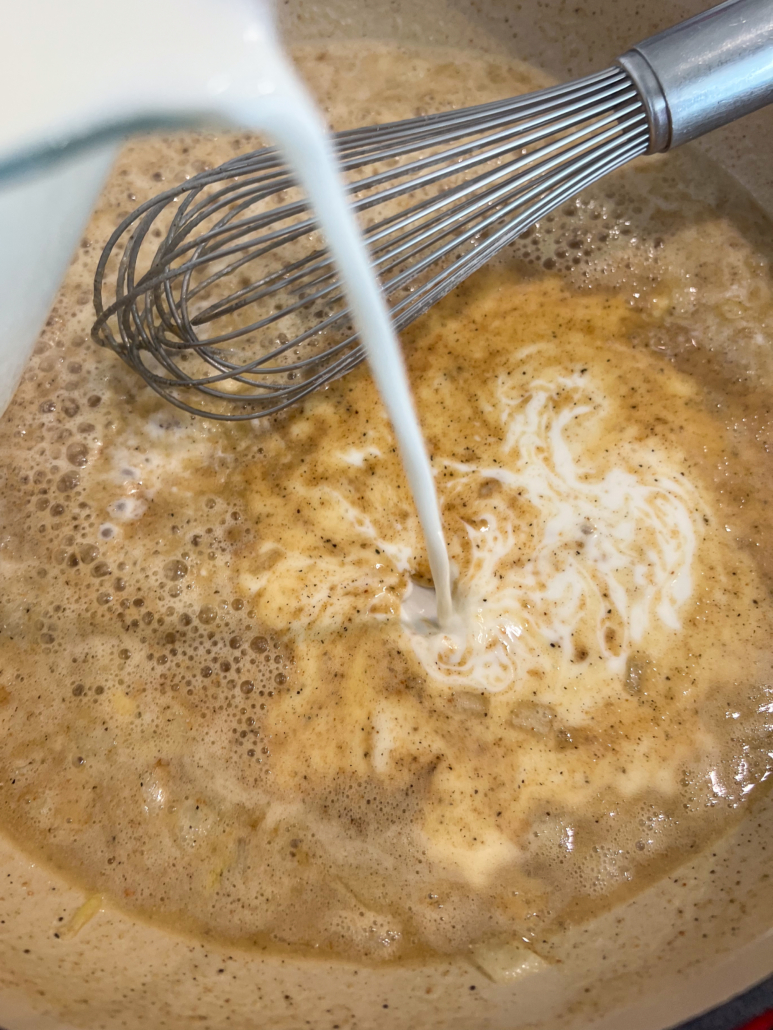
(224, 289)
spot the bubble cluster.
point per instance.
(610, 236)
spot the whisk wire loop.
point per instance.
(236, 310)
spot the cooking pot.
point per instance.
(680, 947)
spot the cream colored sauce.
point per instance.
(211, 709)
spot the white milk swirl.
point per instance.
(609, 553)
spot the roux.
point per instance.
(211, 709)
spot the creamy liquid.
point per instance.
(211, 711)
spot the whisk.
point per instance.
(225, 300)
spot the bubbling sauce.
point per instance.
(212, 709)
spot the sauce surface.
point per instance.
(211, 710)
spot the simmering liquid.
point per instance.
(211, 708)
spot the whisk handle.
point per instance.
(704, 72)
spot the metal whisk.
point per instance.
(238, 301)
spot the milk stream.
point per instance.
(285, 111)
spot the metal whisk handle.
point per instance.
(705, 72)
